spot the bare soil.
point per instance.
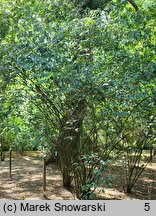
(26, 181)
(144, 189)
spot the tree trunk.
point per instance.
(1, 155)
(65, 163)
(129, 189)
(69, 142)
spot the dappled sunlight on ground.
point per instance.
(27, 181)
(113, 193)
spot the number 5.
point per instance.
(147, 207)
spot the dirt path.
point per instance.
(27, 181)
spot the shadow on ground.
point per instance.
(27, 181)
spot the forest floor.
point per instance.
(26, 181)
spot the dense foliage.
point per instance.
(79, 77)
